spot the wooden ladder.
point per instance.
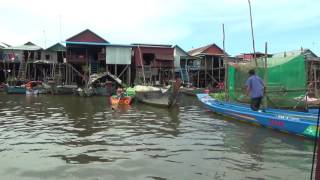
(22, 71)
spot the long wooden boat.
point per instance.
(2, 87)
(164, 97)
(15, 90)
(192, 91)
(65, 89)
(300, 123)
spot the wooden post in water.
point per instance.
(265, 75)
(142, 66)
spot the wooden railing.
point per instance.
(76, 58)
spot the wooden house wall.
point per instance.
(118, 55)
(82, 54)
(177, 57)
(53, 56)
(163, 57)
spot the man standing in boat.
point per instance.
(255, 87)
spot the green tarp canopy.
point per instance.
(286, 80)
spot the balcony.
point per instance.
(76, 59)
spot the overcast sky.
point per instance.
(284, 24)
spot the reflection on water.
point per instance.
(68, 137)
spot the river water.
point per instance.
(69, 137)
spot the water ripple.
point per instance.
(41, 136)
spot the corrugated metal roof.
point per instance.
(152, 45)
(87, 43)
(3, 45)
(25, 48)
(306, 52)
(57, 47)
(87, 36)
(119, 45)
(202, 50)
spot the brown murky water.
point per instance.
(69, 137)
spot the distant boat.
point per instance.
(300, 123)
(36, 87)
(15, 89)
(86, 92)
(2, 87)
(193, 91)
(64, 89)
(165, 97)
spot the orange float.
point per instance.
(115, 100)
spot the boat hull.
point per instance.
(154, 98)
(298, 123)
(159, 97)
(31, 92)
(15, 90)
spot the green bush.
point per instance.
(219, 96)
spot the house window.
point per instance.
(47, 56)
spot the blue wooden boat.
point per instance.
(299, 123)
(15, 90)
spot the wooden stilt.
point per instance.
(34, 72)
(219, 73)
(212, 60)
(205, 71)
(129, 75)
(198, 78)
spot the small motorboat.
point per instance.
(163, 97)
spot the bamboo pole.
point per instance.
(315, 80)
(225, 66)
(252, 34)
(266, 74)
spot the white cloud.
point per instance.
(150, 21)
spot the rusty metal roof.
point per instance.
(211, 49)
